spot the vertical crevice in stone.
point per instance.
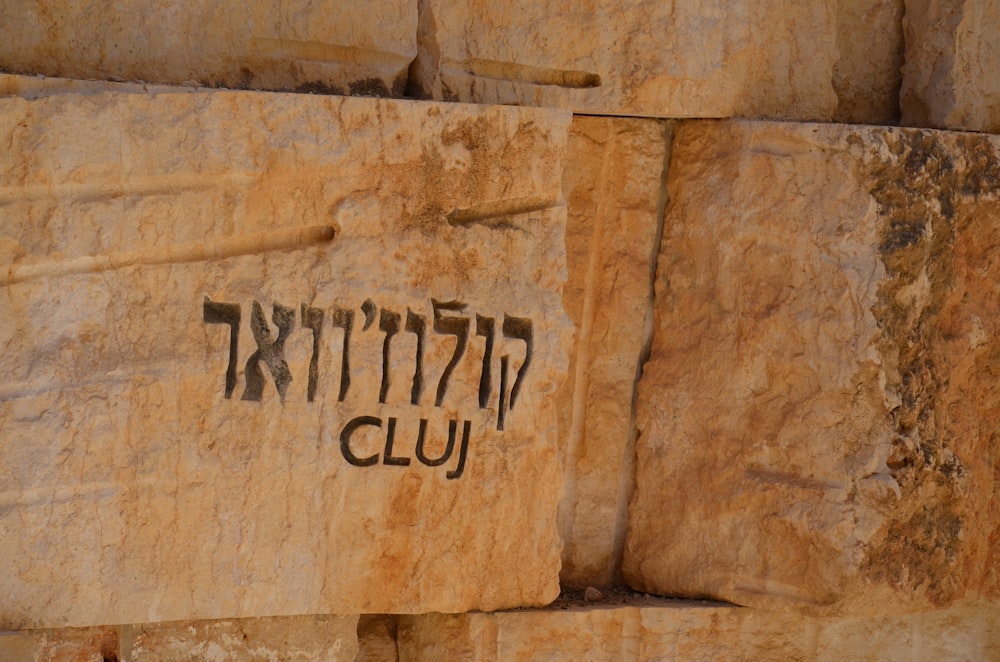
(377, 638)
(423, 77)
(626, 484)
(110, 649)
(581, 378)
(927, 92)
(867, 72)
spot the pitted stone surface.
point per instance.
(182, 434)
(817, 421)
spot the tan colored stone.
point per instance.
(648, 630)
(867, 74)
(37, 87)
(350, 48)
(950, 78)
(664, 59)
(299, 638)
(152, 496)
(613, 184)
(64, 645)
(818, 419)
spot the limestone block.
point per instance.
(646, 630)
(950, 78)
(63, 645)
(350, 48)
(818, 419)
(269, 354)
(300, 638)
(305, 638)
(36, 87)
(612, 183)
(664, 59)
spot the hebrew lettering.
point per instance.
(388, 322)
(312, 318)
(449, 319)
(416, 324)
(519, 328)
(485, 326)
(226, 313)
(456, 326)
(271, 352)
(344, 318)
(502, 405)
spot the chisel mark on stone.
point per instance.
(500, 208)
(218, 249)
(526, 73)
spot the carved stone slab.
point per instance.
(347, 48)
(818, 421)
(273, 354)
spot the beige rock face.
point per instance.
(65, 645)
(351, 48)
(649, 630)
(950, 79)
(229, 319)
(666, 59)
(612, 183)
(37, 87)
(300, 638)
(818, 419)
(305, 638)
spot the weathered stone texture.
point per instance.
(64, 645)
(348, 48)
(299, 638)
(612, 183)
(649, 630)
(151, 495)
(950, 76)
(37, 87)
(666, 59)
(818, 422)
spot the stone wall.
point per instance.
(499, 331)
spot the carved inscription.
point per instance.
(448, 318)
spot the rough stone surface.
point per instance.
(649, 630)
(666, 59)
(818, 422)
(613, 183)
(950, 78)
(63, 645)
(37, 87)
(298, 638)
(128, 221)
(349, 48)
